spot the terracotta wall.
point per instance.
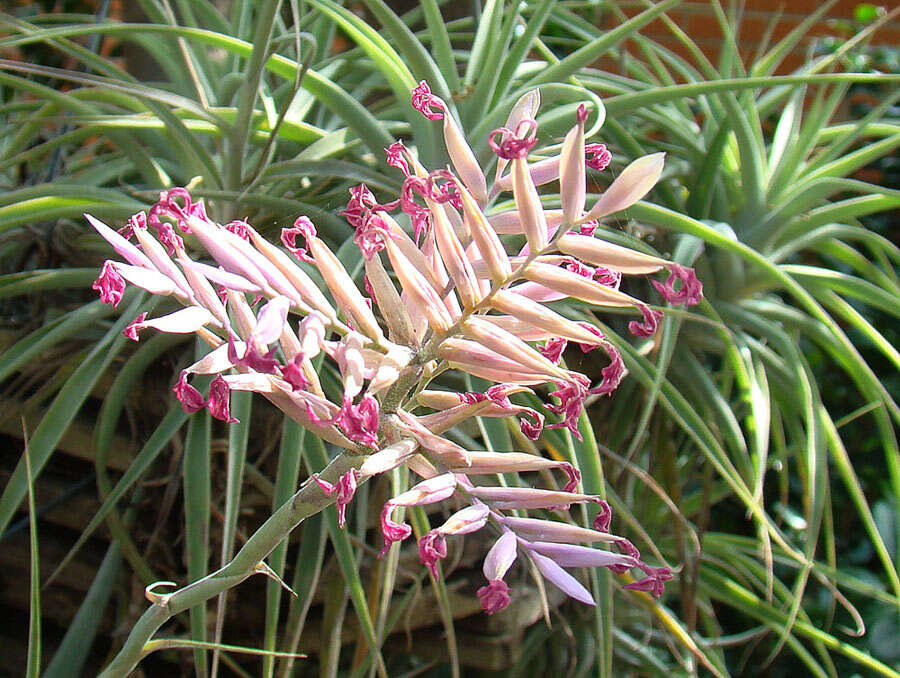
(698, 20)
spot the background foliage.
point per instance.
(754, 442)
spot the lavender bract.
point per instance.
(465, 302)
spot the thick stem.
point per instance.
(307, 501)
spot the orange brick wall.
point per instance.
(698, 20)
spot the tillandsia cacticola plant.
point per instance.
(465, 302)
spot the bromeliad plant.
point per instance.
(465, 303)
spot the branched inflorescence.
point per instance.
(465, 302)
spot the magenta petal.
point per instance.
(218, 400)
(293, 374)
(432, 548)
(532, 424)
(603, 519)
(691, 291)
(514, 143)
(494, 597)
(346, 488)
(571, 395)
(109, 284)
(553, 349)
(424, 101)
(390, 530)
(654, 583)
(190, 398)
(597, 156)
(647, 328)
(360, 421)
(134, 327)
(396, 157)
(574, 476)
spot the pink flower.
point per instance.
(109, 284)
(253, 358)
(597, 156)
(420, 216)
(390, 530)
(571, 395)
(553, 349)
(134, 327)
(494, 597)
(514, 144)
(395, 157)
(302, 226)
(603, 519)
(345, 489)
(432, 548)
(218, 401)
(360, 421)
(293, 374)
(604, 276)
(190, 398)
(654, 583)
(423, 101)
(648, 327)
(240, 228)
(690, 292)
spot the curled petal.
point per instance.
(190, 398)
(345, 489)
(424, 101)
(654, 583)
(134, 327)
(525, 108)
(240, 228)
(691, 291)
(648, 327)
(571, 395)
(293, 374)
(574, 476)
(553, 349)
(302, 227)
(360, 421)
(432, 548)
(218, 401)
(109, 284)
(514, 143)
(597, 156)
(494, 597)
(613, 373)
(390, 530)
(395, 157)
(603, 519)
